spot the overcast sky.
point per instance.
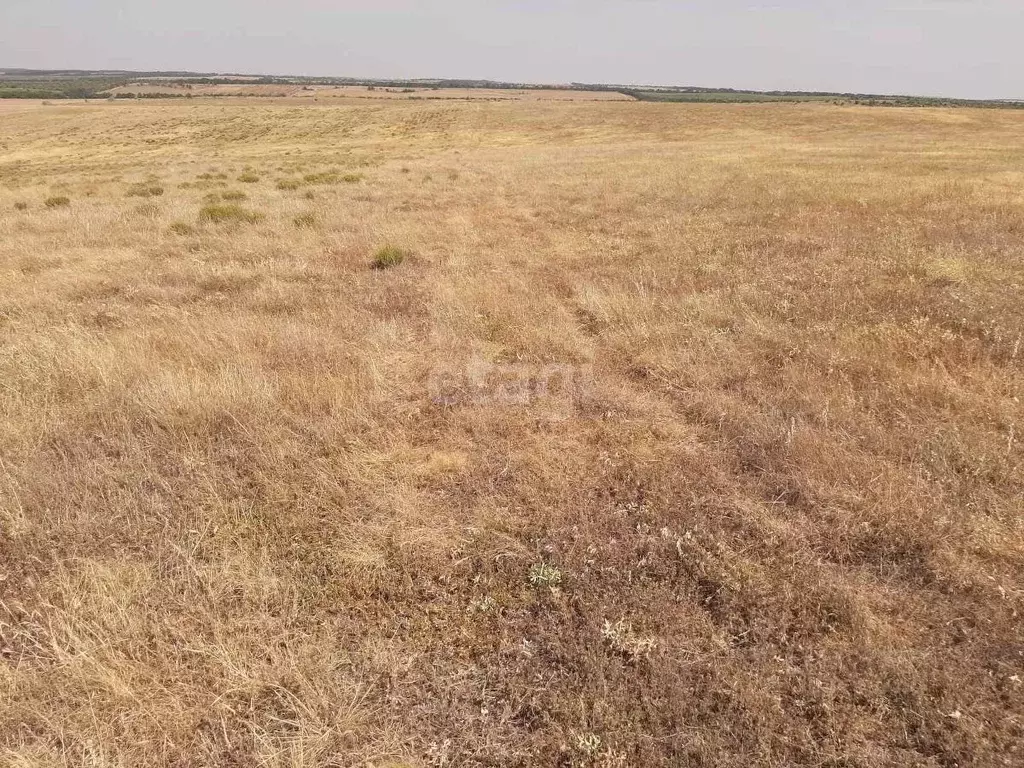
(968, 48)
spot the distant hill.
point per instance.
(22, 83)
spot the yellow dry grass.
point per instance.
(262, 504)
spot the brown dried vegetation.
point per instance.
(777, 522)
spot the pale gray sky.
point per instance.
(935, 47)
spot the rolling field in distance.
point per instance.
(408, 434)
(316, 92)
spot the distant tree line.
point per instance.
(80, 84)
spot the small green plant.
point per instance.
(58, 201)
(288, 185)
(146, 189)
(182, 228)
(20, 206)
(220, 214)
(387, 257)
(305, 221)
(545, 575)
(248, 178)
(233, 196)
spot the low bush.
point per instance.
(219, 214)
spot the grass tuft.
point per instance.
(146, 189)
(182, 228)
(324, 177)
(58, 201)
(220, 214)
(387, 257)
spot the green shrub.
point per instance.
(289, 185)
(58, 201)
(219, 214)
(305, 221)
(387, 257)
(248, 178)
(233, 196)
(146, 189)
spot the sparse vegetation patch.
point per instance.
(145, 189)
(219, 214)
(182, 228)
(387, 257)
(323, 177)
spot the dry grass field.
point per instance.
(404, 434)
